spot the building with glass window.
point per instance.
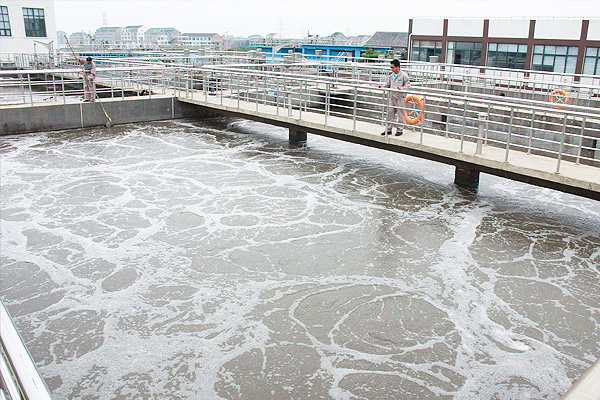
(27, 26)
(556, 45)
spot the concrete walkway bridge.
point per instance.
(533, 127)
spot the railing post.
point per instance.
(220, 87)
(30, 90)
(277, 95)
(355, 106)
(481, 121)
(512, 109)
(386, 111)
(300, 112)
(462, 134)
(580, 140)
(62, 82)
(531, 132)
(562, 143)
(423, 120)
(54, 87)
(327, 101)
(149, 85)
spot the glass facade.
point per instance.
(423, 49)
(4, 22)
(35, 23)
(465, 53)
(591, 62)
(507, 55)
(560, 59)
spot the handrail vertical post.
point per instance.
(62, 82)
(562, 143)
(386, 109)
(580, 141)
(301, 98)
(327, 101)
(480, 132)
(512, 109)
(30, 89)
(219, 87)
(531, 132)
(423, 119)
(487, 125)
(54, 87)
(277, 96)
(464, 123)
(355, 107)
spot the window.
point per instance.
(4, 22)
(506, 55)
(423, 49)
(591, 62)
(465, 53)
(35, 23)
(560, 59)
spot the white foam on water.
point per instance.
(215, 260)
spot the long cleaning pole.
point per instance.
(109, 123)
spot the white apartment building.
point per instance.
(27, 26)
(206, 40)
(80, 39)
(108, 35)
(134, 35)
(161, 36)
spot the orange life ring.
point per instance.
(556, 92)
(414, 120)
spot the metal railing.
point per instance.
(19, 377)
(571, 133)
(529, 126)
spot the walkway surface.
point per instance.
(520, 166)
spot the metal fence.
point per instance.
(19, 378)
(563, 132)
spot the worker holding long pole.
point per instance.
(89, 81)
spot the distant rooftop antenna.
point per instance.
(104, 19)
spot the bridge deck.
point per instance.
(536, 169)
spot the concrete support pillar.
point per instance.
(297, 135)
(466, 176)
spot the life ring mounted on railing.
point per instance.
(413, 116)
(561, 97)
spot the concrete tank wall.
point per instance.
(49, 117)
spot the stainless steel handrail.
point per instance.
(18, 371)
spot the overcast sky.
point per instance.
(293, 18)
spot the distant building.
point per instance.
(80, 39)
(395, 41)
(61, 40)
(27, 26)
(161, 36)
(133, 36)
(235, 42)
(556, 45)
(336, 39)
(205, 40)
(272, 40)
(108, 35)
(359, 40)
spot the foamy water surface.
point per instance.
(214, 259)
